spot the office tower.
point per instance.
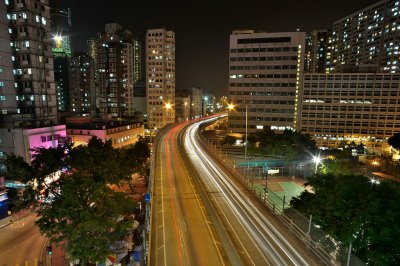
(316, 51)
(82, 85)
(359, 105)
(60, 26)
(368, 36)
(265, 71)
(196, 103)
(160, 77)
(115, 71)
(29, 111)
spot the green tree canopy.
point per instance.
(394, 141)
(228, 140)
(351, 208)
(288, 145)
(80, 210)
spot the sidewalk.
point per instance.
(59, 258)
(14, 217)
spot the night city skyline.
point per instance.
(199, 133)
(202, 30)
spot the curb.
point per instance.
(7, 224)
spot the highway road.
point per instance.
(202, 216)
(259, 237)
(181, 230)
(21, 243)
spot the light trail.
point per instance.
(248, 216)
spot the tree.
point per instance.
(394, 141)
(339, 162)
(80, 210)
(351, 209)
(228, 140)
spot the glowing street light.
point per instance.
(58, 40)
(231, 106)
(168, 106)
(375, 163)
(317, 160)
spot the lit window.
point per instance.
(1, 83)
(43, 21)
(2, 98)
(37, 18)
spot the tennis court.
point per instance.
(278, 191)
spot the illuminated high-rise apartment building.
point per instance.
(317, 45)
(28, 102)
(82, 85)
(265, 71)
(60, 26)
(137, 60)
(114, 54)
(31, 48)
(160, 77)
(368, 36)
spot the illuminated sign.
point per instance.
(3, 197)
(273, 171)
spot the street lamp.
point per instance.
(245, 141)
(316, 160)
(375, 163)
(231, 107)
(168, 106)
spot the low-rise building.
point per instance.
(121, 133)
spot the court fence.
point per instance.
(331, 252)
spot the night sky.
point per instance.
(202, 28)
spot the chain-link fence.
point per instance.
(324, 246)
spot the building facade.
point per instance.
(121, 133)
(265, 71)
(182, 106)
(115, 71)
(317, 43)
(61, 25)
(31, 48)
(362, 107)
(82, 90)
(160, 77)
(29, 116)
(196, 103)
(370, 35)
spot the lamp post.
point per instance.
(316, 160)
(231, 106)
(245, 138)
(167, 106)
